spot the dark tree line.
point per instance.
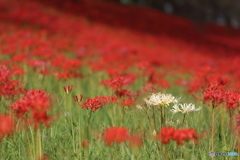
(224, 12)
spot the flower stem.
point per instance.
(38, 143)
(154, 119)
(164, 115)
(161, 117)
(238, 148)
(88, 124)
(230, 116)
(213, 130)
(184, 116)
(149, 121)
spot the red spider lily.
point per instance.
(205, 80)
(68, 88)
(185, 134)
(214, 94)
(179, 135)
(33, 107)
(8, 87)
(119, 82)
(106, 99)
(115, 82)
(115, 134)
(7, 125)
(97, 102)
(166, 134)
(92, 104)
(41, 117)
(232, 99)
(4, 73)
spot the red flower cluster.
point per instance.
(120, 135)
(157, 78)
(214, 94)
(178, 135)
(8, 87)
(115, 134)
(119, 82)
(166, 134)
(97, 102)
(232, 99)
(33, 107)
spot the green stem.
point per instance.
(29, 147)
(154, 119)
(38, 143)
(184, 116)
(122, 112)
(238, 148)
(79, 133)
(213, 130)
(166, 152)
(230, 117)
(161, 110)
(88, 125)
(164, 115)
(223, 127)
(149, 121)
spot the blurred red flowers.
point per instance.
(119, 135)
(33, 107)
(115, 134)
(166, 134)
(7, 125)
(178, 135)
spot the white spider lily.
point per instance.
(159, 99)
(184, 108)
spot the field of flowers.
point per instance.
(102, 81)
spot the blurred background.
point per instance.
(222, 12)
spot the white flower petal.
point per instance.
(184, 108)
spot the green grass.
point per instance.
(62, 140)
